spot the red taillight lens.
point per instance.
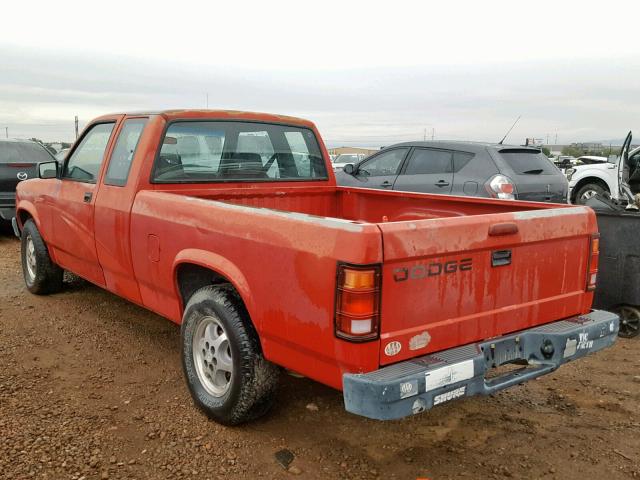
(592, 271)
(500, 186)
(357, 313)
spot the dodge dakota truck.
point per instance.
(231, 225)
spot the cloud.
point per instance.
(41, 92)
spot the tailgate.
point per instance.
(448, 282)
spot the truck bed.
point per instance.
(363, 205)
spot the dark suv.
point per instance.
(461, 168)
(19, 160)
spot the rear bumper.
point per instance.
(416, 385)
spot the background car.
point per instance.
(461, 168)
(19, 161)
(61, 155)
(343, 159)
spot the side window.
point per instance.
(460, 160)
(386, 163)
(123, 152)
(427, 162)
(84, 163)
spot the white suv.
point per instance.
(589, 179)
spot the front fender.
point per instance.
(222, 266)
(26, 206)
(581, 176)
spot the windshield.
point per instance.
(210, 151)
(21, 152)
(528, 162)
(346, 158)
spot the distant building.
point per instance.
(339, 150)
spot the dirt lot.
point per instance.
(91, 387)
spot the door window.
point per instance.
(84, 163)
(427, 162)
(386, 163)
(123, 152)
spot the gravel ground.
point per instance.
(91, 387)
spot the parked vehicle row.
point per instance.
(231, 224)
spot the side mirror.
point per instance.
(349, 169)
(48, 170)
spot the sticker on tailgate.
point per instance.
(449, 374)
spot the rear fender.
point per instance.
(219, 265)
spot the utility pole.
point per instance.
(76, 127)
(433, 133)
(6, 131)
(556, 139)
(424, 135)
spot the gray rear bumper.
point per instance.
(416, 385)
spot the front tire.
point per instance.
(227, 375)
(41, 275)
(588, 191)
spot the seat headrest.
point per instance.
(188, 145)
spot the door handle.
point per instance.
(87, 197)
(386, 184)
(442, 183)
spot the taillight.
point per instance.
(592, 271)
(501, 187)
(357, 313)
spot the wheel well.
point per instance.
(23, 216)
(584, 181)
(192, 277)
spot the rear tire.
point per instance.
(41, 275)
(588, 191)
(227, 375)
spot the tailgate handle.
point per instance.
(500, 258)
(503, 229)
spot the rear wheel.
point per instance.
(629, 321)
(588, 191)
(41, 274)
(227, 375)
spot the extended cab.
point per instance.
(231, 224)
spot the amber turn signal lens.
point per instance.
(359, 279)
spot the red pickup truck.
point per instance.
(231, 224)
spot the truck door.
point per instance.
(428, 171)
(113, 210)
(73, 210)
(624, 189)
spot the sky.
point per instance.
(367, 73)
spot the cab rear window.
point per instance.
(212, 151)
(527, 162)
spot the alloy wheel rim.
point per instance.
(588, 194)
(30, 258)
(212, 356)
